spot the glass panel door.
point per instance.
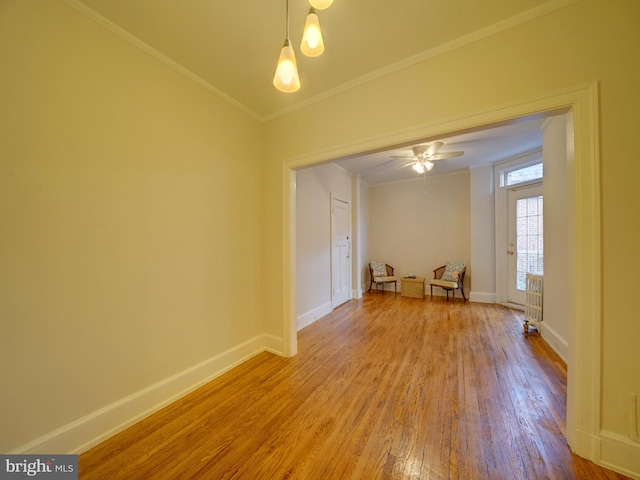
(526, 239)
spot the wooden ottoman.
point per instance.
(412, 287)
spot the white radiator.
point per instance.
(533, 303)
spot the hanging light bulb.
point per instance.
(312, 44)
(320, 4)
(428, 165)
(286, 77)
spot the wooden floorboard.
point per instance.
(386, 387)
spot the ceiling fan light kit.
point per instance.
(424, 156)
(286, 78)
(422, 165)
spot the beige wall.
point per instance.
(483, 234)
(415, 226)
(314, 187)
(129, 218)
(127, 191)
(364, 236)
(558, 222)
(583, 42)
(418, 225)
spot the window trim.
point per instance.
(516, 163)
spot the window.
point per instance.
(522, 175)
(529, 239)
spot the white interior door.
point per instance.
(525, 250)
(340, 252)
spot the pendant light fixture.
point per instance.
(286, 78)
(312, 43)
(320, 4)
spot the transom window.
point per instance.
(522, 175)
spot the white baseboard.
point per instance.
(311, 316)
(89, 430)
(619, 453)
(481, 297)
(555, 341)
(515, 306)
(356, 293)
(439, 292)
(387, 287)
(275, 345)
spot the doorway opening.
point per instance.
(583, 358)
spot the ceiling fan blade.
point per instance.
(442, 156)
(419, 151)
(404, 165)
(432, 149)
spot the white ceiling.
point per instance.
(231, 47)
(486, 146)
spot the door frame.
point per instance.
(584, 375)
(501, 227)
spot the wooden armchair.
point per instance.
(381, 273)
(449, 277)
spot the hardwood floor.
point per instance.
(386, 387)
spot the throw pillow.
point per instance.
(379, 269)
(452, 271)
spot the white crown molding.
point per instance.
(493, 29)
(421, 178)
(468, 39)
(145, 47)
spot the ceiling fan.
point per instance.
(424, 156)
